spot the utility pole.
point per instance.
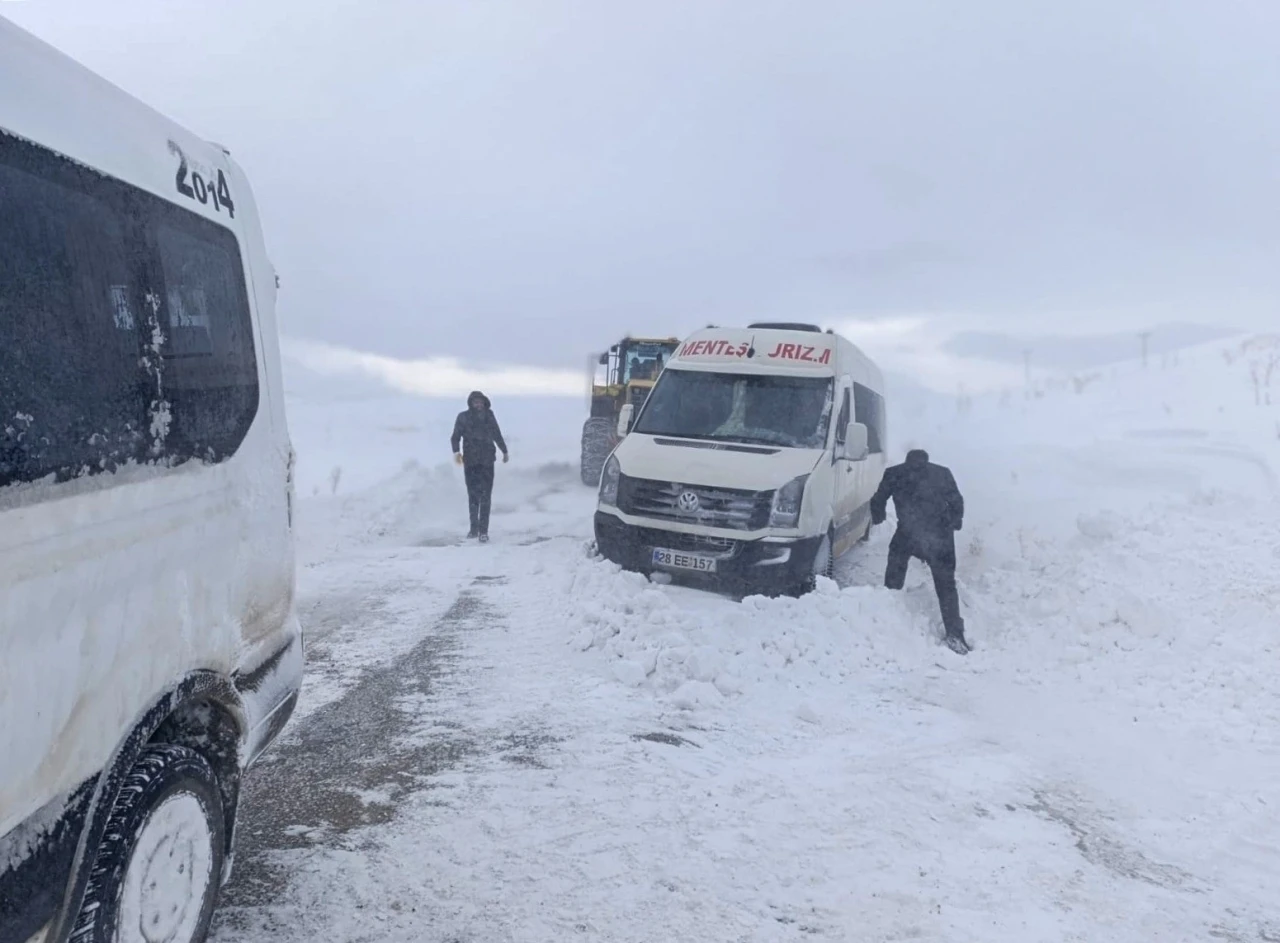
(1026, 365)
(1144, 337)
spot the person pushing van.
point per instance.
(930, 511)
(475, 434)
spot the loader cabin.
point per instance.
(626, 373)
(621, 380)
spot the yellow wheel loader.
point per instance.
(622, 376)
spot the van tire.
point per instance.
(810, 583)
(829, 571)
(597, 443)
(180, 781)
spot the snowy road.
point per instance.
(518, 743)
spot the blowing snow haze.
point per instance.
(520, 183)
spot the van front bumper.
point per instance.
(765, 565)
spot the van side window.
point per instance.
(209, 372)
(73, 396)
(842, 421)
(869, 410)
(125, 328)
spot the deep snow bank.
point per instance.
(1122, 533)
(698, 648)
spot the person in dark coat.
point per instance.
(930, 511)
(475, 435)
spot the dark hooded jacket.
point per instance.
(928, 501)
(476, 432)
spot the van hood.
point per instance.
(717, 464)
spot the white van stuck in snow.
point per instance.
(753, 461)
(149, 648)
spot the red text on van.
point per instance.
(802, 353)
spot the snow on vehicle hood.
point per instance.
(721, 464)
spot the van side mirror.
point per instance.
(856, 444)
(625, 417)
(854, 448)
(604, 360)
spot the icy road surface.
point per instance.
(520, 743)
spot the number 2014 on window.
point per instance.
(194, 187)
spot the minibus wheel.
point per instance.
(823, 565)
(824, 562)
(159, 866)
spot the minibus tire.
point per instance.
(829, 571)
(177, 783)
(809, 583)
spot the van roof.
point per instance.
(71, 110)
(798, 352)
(785, 326)
(766, 350)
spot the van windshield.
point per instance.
(793, 412)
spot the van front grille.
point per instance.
(722, 548)
(695, 504)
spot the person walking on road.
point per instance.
(475, 435)
(930, 511)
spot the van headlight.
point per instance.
(609, 479)
(786, 503)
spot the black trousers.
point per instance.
(940, 555)
(479, 494)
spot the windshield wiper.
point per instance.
(778, 442)
(679, 435)
(775, 438)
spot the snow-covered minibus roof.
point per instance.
(770, 350)
(64, 107)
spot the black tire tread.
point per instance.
(830, 571)
(156, 760)
(597, 443)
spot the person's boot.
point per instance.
(473, 534)
(955, 640)
(484, 538)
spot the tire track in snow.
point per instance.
(347, 766)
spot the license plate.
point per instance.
(683, 561)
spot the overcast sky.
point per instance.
(522, 181)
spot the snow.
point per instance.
(349, 445)
(1102, 767)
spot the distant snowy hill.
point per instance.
(1072, 352)
(1066, 352)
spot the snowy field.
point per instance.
(518, 743)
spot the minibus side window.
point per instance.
(869, 410)
(842, 421)
(209, 373)
(73, 397)
(125, 329)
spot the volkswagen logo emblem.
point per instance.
(688, 502)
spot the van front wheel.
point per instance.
(159, 867)
(824, 564)
(824, 561)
